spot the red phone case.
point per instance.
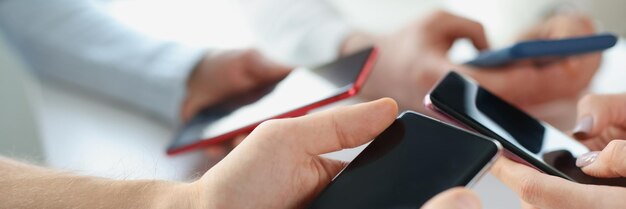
(356, 87)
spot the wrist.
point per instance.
(178, 195)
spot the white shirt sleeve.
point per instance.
(76, 42)
(302, 32)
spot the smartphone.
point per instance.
(544, 49)
(525, 139)
(411, 161)
(303, 90)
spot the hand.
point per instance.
(220, 151)
(278, 164)
(224, 74)
(601, 118)
(538, 190)
(537, 81)
(453, 199)
(415, 58)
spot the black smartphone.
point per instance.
(411, 161)
(525, 139)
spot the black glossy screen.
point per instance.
(535, 141)
(410, 162)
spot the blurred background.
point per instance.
(59, 125)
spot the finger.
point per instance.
(541, 190)
(332, 130)
(190, 106)
(460, 198)
(611, 162)
(607, 135)
(263, 68)
(597, 112)
(216, 152)
(332, 168)
(237, 141)
(457, 27)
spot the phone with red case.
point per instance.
(525, 139)
(303, 90)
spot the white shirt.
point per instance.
(76, 42)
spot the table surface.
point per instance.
(97, 137)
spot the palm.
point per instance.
(278, 164)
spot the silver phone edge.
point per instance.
(487, 166)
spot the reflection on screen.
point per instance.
(535, 141)
(283, 98)
(410, 162)
(302, 87)
(518, 128)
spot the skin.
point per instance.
(278, 166)
(415, 58)
(609, 119)
(224, 74)
(538, 190)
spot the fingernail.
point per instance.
(583, 127)
(587, 159)
(468, 202)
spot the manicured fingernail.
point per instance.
(583, 127)
(587, 159)
(468, 202)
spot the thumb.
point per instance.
(597, 112)
(454, 198)
(332, 130)
(606, 164)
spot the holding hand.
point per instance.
(279, 164)
(602, 122)
(224, 74)
(456, 198)
(536, 81)
(414, 58)
(601, 118)
(539, 190)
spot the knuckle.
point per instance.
(589, 100)
(340, 133)
(615, 160)
(433, 19)
(439, 13)
(249, 54)
(586, 100)
(271, 127)
(479, 26)
(529, 189)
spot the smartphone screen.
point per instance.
(536, 142)
(302, 90)
(410, 162)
